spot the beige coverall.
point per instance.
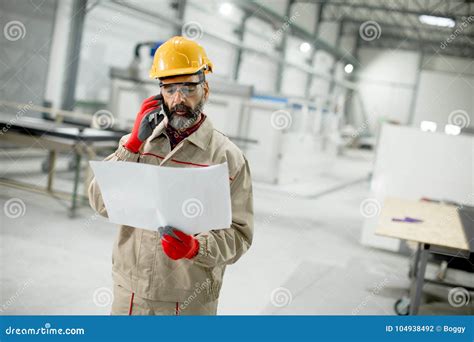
(146, 280)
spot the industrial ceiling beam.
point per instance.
(283, 49)
(433, 42)
(467, 8)
(431, 30)
(309, 79)
(428, 47)
(265, 14)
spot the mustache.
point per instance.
(181, 107)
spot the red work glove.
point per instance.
(186, 247)
(145, 122)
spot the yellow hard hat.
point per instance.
(179, 56)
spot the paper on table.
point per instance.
(193, 200)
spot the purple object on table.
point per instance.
(407, 220)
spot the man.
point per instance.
(178, 273)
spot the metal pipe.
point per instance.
(276, 19)
(73, 54)
(415, 90)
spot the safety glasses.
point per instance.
(187, 89)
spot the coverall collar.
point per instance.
(202, 136)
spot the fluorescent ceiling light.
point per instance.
(226, 9)
(428, 126)
(437, 21)
(348, 68)
(452, 129)
(305, 47)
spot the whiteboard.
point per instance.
(412, 164)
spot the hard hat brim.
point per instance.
(178, 72)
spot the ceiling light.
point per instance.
(452, 129)
(225, 9)
(305, 47)
(437, 21)
(428, 126)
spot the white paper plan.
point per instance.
(146, 196)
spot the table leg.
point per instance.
(418, 280)
(87, 182)
(90, 155)
(415, 261)
(52, 169)
(77, 174)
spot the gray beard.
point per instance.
(181, 123)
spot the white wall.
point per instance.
(446, 86)
(293, 79)
(328, 32)
(256, 69)
(323, 63)
(109, 38)
(55, 80)
(26, 28)
(386, 82)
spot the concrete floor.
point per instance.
(306, 257)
